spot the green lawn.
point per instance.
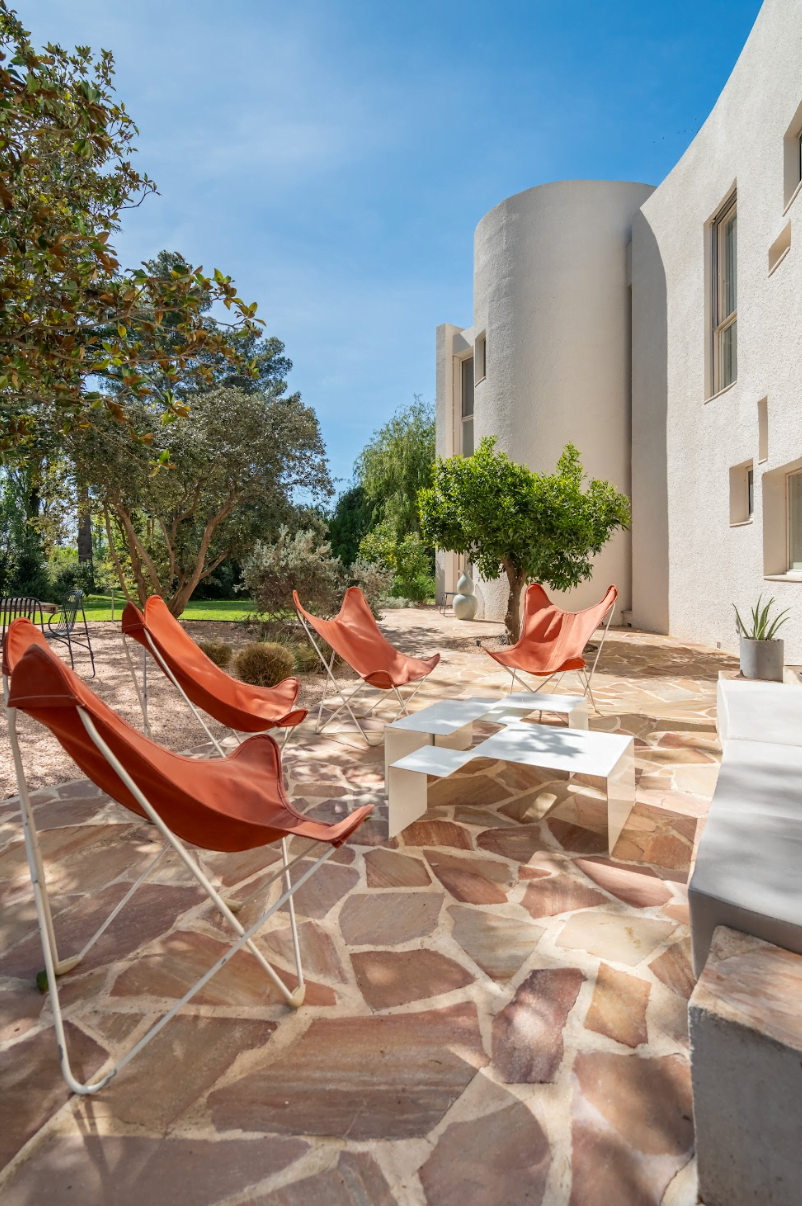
(98, 607)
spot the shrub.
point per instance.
(376, 581)
(219, 652)
(299, 562)
(307, 660)
(417, 589)
(264, 663)
(407, 557)
(67, 573)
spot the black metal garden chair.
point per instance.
(24, 605)
(62, 625)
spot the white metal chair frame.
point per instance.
(346, 700)
(55, 967)
(584, 676)
(142, 695)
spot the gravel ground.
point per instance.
(172, 724)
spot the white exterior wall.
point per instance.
(551, 296)
(453, 344)
(689, 563)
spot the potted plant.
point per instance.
(762, 654)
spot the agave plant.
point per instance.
(762, 628)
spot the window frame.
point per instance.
(750, 492)
(480, 361)
(466, 374)
(720, 325)
(792, 569)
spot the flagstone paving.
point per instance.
(496, 1005)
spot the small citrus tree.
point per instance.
(530, 526)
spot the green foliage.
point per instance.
(23, 569)
(294, 561)
(223, 583)
(416, 590)
(407, 557)
(531, 526)
(260, 366)
(234, 467)
(348, 523)
(65, 573)
(264, 663)
(376, 581)
(69, 317)
(762, 628)
(396, 464)
(306, 658)
(219, 652)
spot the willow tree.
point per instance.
(394, 465)
(531, 527)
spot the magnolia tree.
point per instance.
(541, 527)
(235, 468)
(70, 319)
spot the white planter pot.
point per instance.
(762, 659)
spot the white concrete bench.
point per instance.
(748, 873)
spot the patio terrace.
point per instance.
(496, 1012)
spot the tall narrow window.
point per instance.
(466, 409)
(481, 358)
(750, 493)
(795, 521)
(725, 288)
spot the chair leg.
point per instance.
(89, 645)
(143, 703)
(589, 691)
(195, 711)
(300, 991)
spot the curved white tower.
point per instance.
(552, 318)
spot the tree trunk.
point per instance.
(84, 526)
(517, 581)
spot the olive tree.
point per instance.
(532, 527)
(237, 467)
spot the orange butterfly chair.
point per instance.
(229, 804)
(357, 638)
(203, 685)
(552, 641)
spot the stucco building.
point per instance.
(660, 329)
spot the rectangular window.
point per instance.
(750, 492)
(481, 358)
(466, 408)
(795, 521)
(725, 289)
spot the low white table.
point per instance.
(450, 722)
(437, 745)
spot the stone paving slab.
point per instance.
(496, 1010)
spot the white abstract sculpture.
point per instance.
(465, 601)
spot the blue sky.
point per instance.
(334, 157)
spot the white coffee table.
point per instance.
(438, 746)
(450, 722)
